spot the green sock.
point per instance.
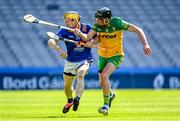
(106, 100)
(111, 93)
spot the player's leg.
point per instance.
(106, 68)
(106, 86)
(68, 76)
(68, 80)
(80, 79)
(81, 72)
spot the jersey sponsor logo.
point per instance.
(108, 36)
(79, 49)
(70, 36)
(77, 38)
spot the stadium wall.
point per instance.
(51, 78)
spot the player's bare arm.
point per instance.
(53, 44)
(94, 43)
(90, 44)
(142, 37)
(85, 37)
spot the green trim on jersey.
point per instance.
(115, 24)
(116, 60)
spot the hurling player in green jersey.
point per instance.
(110, 31)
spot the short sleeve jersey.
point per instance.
(76, 54)
(111, 37)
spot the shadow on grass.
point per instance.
(60, 116)
(65, 116)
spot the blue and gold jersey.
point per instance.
(76, 54)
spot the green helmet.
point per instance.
(102, 13)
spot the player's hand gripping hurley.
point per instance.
(31, 19)
(55, 37)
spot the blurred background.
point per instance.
(24, 49)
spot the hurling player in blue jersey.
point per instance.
(77, 59)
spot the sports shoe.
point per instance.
(111, 98)
(67, 107)
(103, 110)
(75, 104)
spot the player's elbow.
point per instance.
(139, 30)
(135, 29)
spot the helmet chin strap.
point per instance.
(77, 25)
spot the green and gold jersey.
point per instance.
(111, 37)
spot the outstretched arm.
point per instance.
(53, 44)
(142, 37)
(85, 37)
(93, 43)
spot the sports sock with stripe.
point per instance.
(106, 100)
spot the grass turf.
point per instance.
(129, 105)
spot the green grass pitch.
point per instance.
(129, 105)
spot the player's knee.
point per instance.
(80, 75)
(101, 83)
(104, 79)
(104, 76)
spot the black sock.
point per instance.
(70, 100)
